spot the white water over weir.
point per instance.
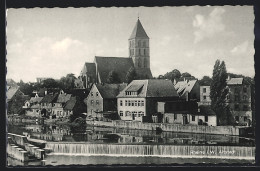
(230, 152)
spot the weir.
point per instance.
(230, 152)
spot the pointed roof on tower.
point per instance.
(138, 31)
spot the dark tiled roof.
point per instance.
(11, 91)
(119, 65)
(135, 87)
(235, 81)
(138, 31)
(49, 98)
(110, 90)
(89, 68)
(36, 99)
(63, 98)
(160, 88)
(153, 88)
(70, 104)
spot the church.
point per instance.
(139, 59)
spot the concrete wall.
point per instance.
(225, 130)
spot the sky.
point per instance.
(52, 42)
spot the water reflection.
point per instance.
(116, 135)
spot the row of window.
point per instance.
(92, 94)
(130, 93)
(139, 52)
(237, 118)
(92, 102)
(133, 113)
(132, 102)
(237, 107)
(237, 90)
(132, 43)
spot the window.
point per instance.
(97, 102)
(206, 119)
(144, 51)
(139, 103)
(245, 118)
(139, 43)
(129, 103)
(97, 94)
(204, 97)
(237, 118)
(134, 113)
(245, 108)
(121, 113)
(236, 107)
(204, 90)
(175, 116)
(135, 102)
(92, 102)
(126, 102)
(92, 94)
(245, 89)
(237, 98)
(132, 103)
(142, 103)
(139, 51)
(121, 103)
(127, 113)
(193, 118)
(244, 97)
(144, 44)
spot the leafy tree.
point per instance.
(113, 77)
(187, 75)
(50, 83)
(67, 82)
(205, 81)
(26, 88)
(131, 75)
(174, 74)
(219, 92)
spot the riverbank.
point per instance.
(220, 130)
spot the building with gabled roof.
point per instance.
(188, 89)
(102, 99)
(138, 101)
(74, 106)
(58, 105)
(139, 59)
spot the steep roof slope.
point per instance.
(138, 31)
(49, 98)
(151, 88)
(110, 90)
(63, 98)
(119, 65)
(235, 81)
(89, 68)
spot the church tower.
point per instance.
(139, 47)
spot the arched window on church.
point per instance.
(144, 44)
(139, 51)
(139, 63)
(145, 63)
(144, 52)
(139, 43)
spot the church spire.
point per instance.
(138, 31)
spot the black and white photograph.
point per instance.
(130, 86)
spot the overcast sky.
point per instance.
(55, 42)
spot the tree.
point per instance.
(26, 88)
(219, 92)
(68, 82)
(186, 76)
(174, 74)
(205, 81)
(113, 77)
(50, 83)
